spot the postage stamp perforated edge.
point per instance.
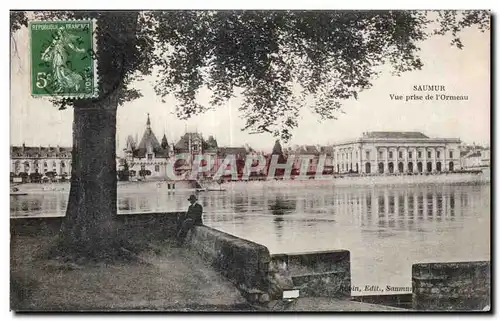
(95, 76)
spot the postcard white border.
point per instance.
(214, 4)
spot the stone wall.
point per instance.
(248, 265)
(148, 226)
(261, 277)
(244, 263)
(315, 274)
(451, 286)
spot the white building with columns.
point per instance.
(396, 152)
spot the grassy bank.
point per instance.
(164, 277)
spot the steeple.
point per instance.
(164, 142)
(148, 144)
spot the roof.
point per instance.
(130, 143)
(183, 143)
(211, 142)
(149, 142)
(210, 151)
(249, 148)
(164, 140)
(148, 138)
(327, 150)
(40, 152)
(232, 150)
(310, 150)
(475, 154)
(401, 135)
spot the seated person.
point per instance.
(191, 218)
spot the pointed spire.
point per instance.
(164, 142)
(148, 123)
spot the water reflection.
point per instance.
(396, 208)
(384, 207)
(280, 207)
(385, 228)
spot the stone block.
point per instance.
(329, 284)
(243, 262)
(451, 286)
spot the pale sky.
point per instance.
(36, 121)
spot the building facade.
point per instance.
(315, 152)
(42, 160)
(475, 157)
(149, 157)
(396, 152)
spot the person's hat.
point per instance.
(192, 198)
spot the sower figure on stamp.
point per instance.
(191, 218)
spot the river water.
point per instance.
(386, 228)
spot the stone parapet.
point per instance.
(314, 274)
(244, 263)
(451, 286)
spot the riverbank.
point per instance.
(335, 180)
(164, 278)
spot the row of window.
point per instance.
(410, 154)
(157, 168)
(39, 156)
(27, 164)
(345, 156)
(26, 170)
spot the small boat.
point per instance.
(185, 185)
(215, 189)
(14, 191)
(18, 193)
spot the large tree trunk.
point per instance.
(88, 228)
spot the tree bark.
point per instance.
(88, 229)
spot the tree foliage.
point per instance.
(276, 60)
(279, 58)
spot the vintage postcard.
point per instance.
(250, 160)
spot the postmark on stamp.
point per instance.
(63, 60)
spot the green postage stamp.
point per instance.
(63, 59)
